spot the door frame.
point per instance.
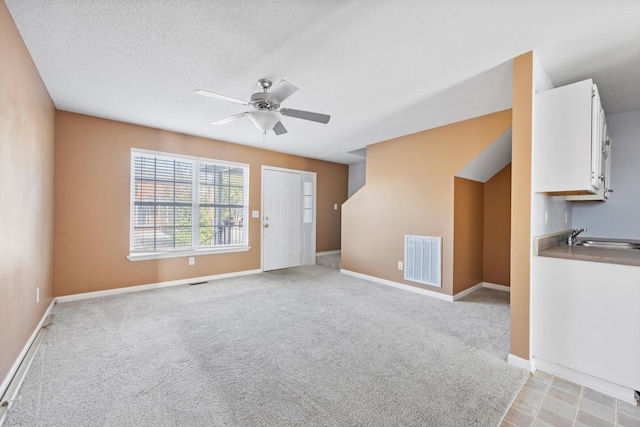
(305, 176)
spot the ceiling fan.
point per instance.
(266, 115)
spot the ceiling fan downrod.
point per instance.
(260, 100)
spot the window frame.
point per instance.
(195, 249)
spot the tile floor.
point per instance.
(548, 401)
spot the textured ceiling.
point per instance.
(382, 69)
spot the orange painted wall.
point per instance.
(27, 125)
(482, 231)
(92, 203)
(521, 203)
(497, 228)
(468, 234)
(410, 190)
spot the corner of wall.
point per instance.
(27, 125)
(521, 203)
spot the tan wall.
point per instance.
(497, 228)
(521, 203)
(410, 190)
(468, 232)
(27, 125)
(92, 203)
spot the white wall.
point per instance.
(618, 217)
(357, 176)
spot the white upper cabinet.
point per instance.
(605, 190)
(571, 155)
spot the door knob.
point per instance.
(266, 225)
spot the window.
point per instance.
(181, 203)
(307, 206)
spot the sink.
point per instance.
(604, 244)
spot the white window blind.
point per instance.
(185, 203)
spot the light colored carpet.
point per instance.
(329, 260)
(306, 346)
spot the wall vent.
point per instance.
(423, 259)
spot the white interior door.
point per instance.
(281, 219)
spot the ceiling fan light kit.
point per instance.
(267, 107)
(265, 120)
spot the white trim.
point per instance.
(299, 171)
(585, 380)
(138, 288)
(14, 368)
(187, 253)
(467, 291)
(519, 362)
(302, 173)
(398, 285)
(496, 287)
(337, 251)
(480, 286)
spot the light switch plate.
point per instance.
(255, 214)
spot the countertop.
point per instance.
(553, 246)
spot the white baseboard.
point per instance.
(585, 380)
(128, 289)
(328, 252)
(398, 285)
(480, 286)
(496, 287)
(519, 362)
(14, 368)
(467, 291)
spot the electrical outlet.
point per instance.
(37, 295)
(400, 265)
(192, 260)
(335, 206)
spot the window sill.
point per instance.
(177, 254)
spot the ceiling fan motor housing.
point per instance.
(259, 100)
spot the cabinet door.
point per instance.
(597, 138)
(563, 130)
(606, 161)
(584, 313)
(605, 166)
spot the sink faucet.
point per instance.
(572, 237)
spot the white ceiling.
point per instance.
(382, 69)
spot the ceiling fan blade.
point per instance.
(281, 92)
(230, 118)
(218, 96)
(279, 129)
(305, 115)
